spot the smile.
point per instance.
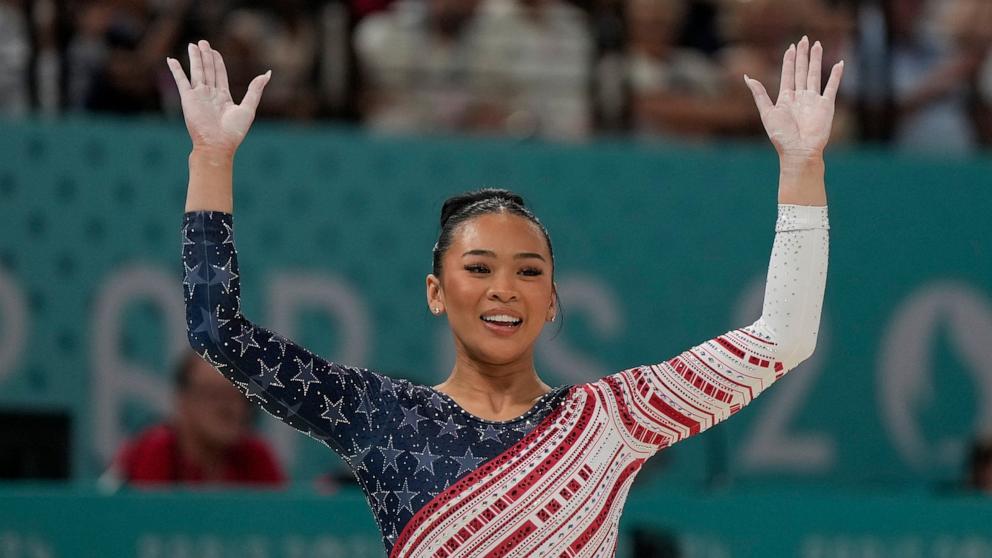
(502, 323)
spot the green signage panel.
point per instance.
(658, 248)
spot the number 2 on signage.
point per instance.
(770, 446)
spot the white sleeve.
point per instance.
(664, 403)
(797, 276)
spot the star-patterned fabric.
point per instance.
(442, 482)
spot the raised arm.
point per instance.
(667, 402)
(346, 408)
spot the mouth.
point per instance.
(503, 323)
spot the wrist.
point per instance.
(800, 159)
(213, 156)
(801, 180)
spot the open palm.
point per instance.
(212, 118)
(798, 123)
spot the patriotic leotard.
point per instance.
(552, 482)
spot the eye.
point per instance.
(531, 271)
(476, 268)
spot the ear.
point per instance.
(553, 307)
(435, 296)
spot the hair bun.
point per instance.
(456, 204)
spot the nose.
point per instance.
(501, 288)
(501, 295)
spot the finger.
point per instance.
(761, 97)
(815, 68)
(788, 81)
(254, 94)
(833, 83)
(802, 63)
(220, 70)
(178, 74)
(195, 66)
(209, 78)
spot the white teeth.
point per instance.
(502, 319)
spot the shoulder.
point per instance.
(148, 456)
(614, 389)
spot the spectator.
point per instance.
(912, 63)
(980, 466)
(673, 91)
(207, 441)
(115, 58)
(971, 24)
(536, 60)
(416, 60)
(15, 50)
(288, 46)
(758, 32)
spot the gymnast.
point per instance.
(492, 461)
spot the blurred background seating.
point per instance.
(918, 71)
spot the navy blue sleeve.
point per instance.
(344, 407)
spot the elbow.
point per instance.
(797, 352)
(199, 342)
(195, 341)
(203, 331)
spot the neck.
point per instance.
(498, 391)
(197, 451)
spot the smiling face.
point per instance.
(496, 288)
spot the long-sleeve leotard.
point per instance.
(442, 482)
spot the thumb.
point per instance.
(761, 98)
(255, 88)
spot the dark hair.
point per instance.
(458, 209)
(184, 370)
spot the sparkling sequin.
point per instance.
(416, 452)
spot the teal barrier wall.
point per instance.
(659, 248)
(63, 524)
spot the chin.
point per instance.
(499, 353)
(227, 438)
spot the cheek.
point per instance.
(538, 297)
(463, 295)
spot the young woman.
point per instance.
(492, 461)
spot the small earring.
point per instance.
(435, 310)
(553, 317)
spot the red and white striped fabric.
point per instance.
(560, 490)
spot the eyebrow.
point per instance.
(519, 256)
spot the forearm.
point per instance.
(801, 180)
(795, 283)
(210, 181)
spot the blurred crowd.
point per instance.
(918, 72)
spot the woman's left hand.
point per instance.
(799, 122)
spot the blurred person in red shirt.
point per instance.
(208, 441)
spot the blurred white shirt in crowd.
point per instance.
(537, 56)
(417, 80)
(14, 53)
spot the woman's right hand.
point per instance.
(214, 122)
